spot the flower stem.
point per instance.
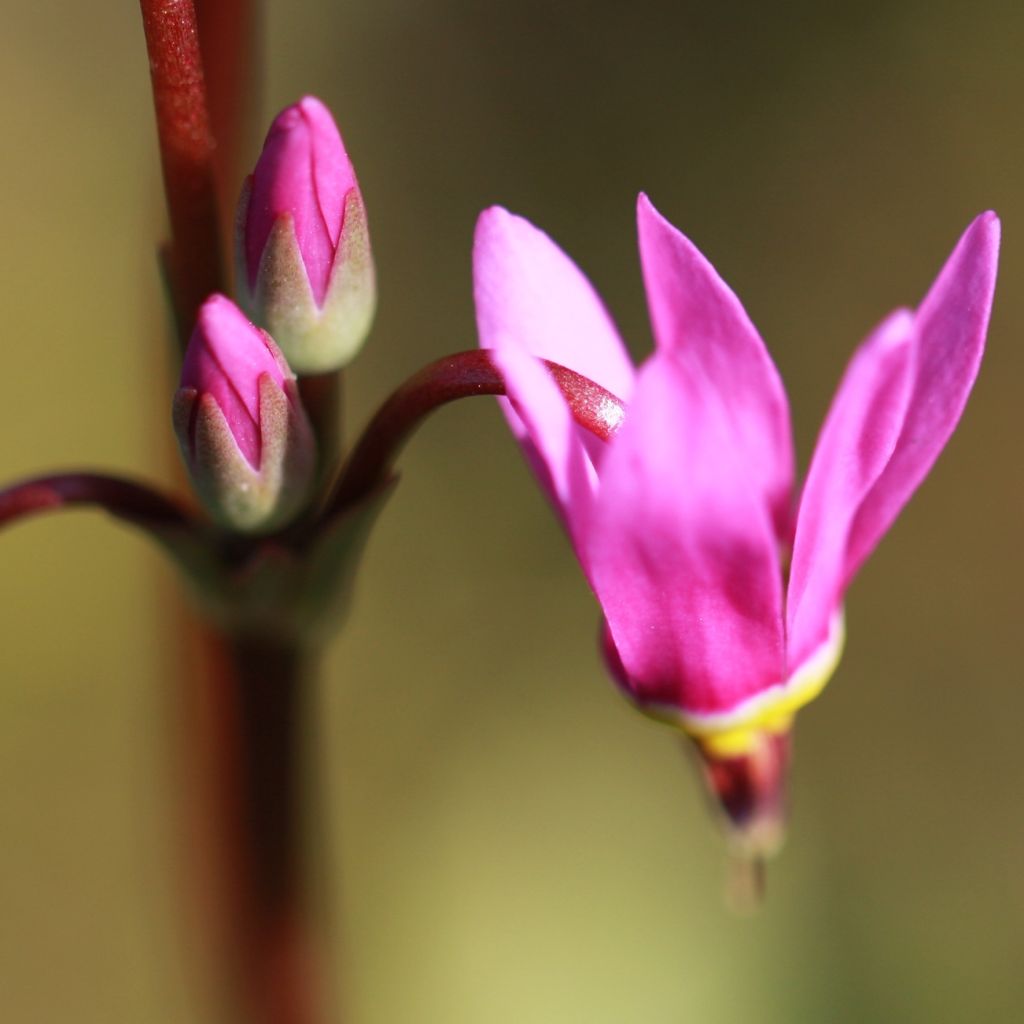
(462, 375)
(126, 500)
(243, 734)
(193, 256)
(230, 34)
(322, 397)
(248, 758)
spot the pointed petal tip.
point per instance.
(989, 218)
(496, 212)
(893, 330)
(649, 217)
(527, 290)
(949, 333)
(661, 241)
(979, 243)
(985, 230)
(967, 278)
(495, 221)
(319, 117)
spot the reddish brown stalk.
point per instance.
(248, 785)
(458, 376)
(127, 500)
(229, 37)
(186, 154)
(242, 741)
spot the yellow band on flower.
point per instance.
(736, 732)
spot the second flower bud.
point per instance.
(244, 434)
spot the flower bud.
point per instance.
(243, 432)
(303, 252)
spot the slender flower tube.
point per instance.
(240, 423)
(302, 249)
(683, 521)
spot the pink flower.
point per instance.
(682, 522)
(304, 265)
(240, 424)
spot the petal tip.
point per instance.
(986, 225)
(895, 328)
(981, 238)
(496, 219)
(649, 216)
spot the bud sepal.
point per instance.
(239, 419)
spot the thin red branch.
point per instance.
(126, 500)
(186, 154)
(458, 376)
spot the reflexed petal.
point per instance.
(550, 437)
(855, 444)
(530, 294)
(682, 553)
(697, 317)
(950, 328)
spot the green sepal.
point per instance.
(239, 496)
(295, 590)
(313, 339)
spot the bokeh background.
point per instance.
(508, 842)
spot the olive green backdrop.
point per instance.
(508, 841)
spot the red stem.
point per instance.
(242, 737)
(250, 782)
(229, 37)
(132, 502)
(186, 154)
(458, 376)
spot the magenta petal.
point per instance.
(530, 294)
(950, 339)
(682, 553)
(550, 438)
(333, 176)
(855, 444)
(696, 316)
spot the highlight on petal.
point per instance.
(550, 437)
(853, 449)
(681, 551)
(530, 294)
(697, 317)
(950, 338)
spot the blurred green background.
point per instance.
(508, 841)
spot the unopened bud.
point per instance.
(243, 432)
(305, 272)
